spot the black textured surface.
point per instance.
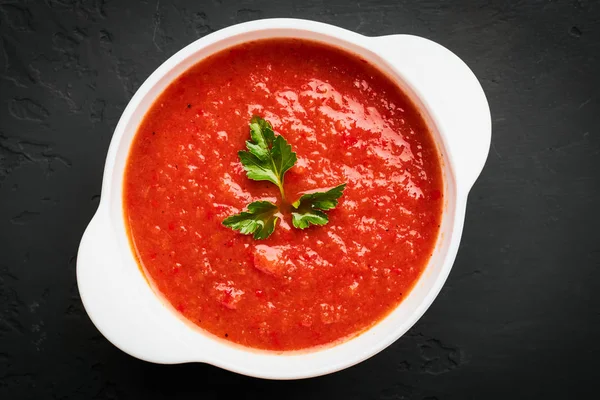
(520, 314)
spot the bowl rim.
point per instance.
(323, 30)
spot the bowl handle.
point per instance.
(110, 293)
(454, 97)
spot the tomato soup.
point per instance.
(348, 123)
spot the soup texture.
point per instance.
(299, 288)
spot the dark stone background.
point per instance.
(520, 314)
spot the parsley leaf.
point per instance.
(308, 209)
(262, 134)
(260, 220)
(268, 157)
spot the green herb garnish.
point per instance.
(268, 158)
(308, 209)
(260, 220)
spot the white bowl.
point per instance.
(134, 318)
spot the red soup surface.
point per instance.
(347, 122)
